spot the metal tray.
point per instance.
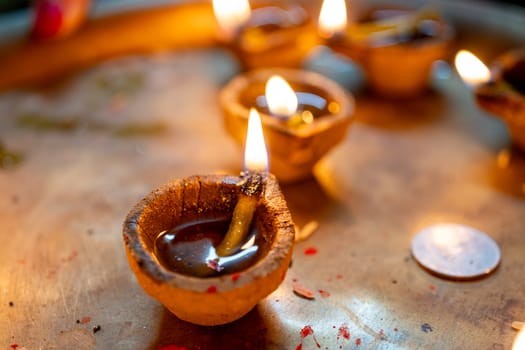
(95, 143)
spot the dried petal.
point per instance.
(303, 292)
(306, 231)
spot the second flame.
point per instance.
(280, 97)
(332, 18)
(231, 15)
(471, 69)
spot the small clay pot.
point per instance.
(504, 95)
(277, 35)
(396, 67)
(293, 150)
(208, 300)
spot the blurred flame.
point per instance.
(255, 154)
(519, 342)
(332, 18)
(231, 14)
(471, 69)
(282, 100)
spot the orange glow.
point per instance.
(282, 100)
(519, 343)
(255, 154)
(332, 18)
(471, 69)
(231, 14)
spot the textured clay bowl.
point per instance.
(504, 95)
(293, 151)
(277, 35)
(211, 300)
(397, 69)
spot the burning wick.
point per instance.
(471, 69)
(256, 167)
(282, 100)
(231, 15)
(332, 18)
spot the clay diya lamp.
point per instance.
(271, 34)
(303, 117)
(396, 47)
(210, 247)
(503, 95)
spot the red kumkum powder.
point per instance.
(310, 251)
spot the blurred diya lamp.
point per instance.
(271, 34)
(58, 18)
(209, 248)
(395, 46)
(500, 90)
(304, 115)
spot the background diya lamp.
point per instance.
(500, 91)
(266, 35)
(302, 121)
(210, 247)
(395, 46)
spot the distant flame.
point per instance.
(332, 18)
(471, 69)
(519, 342)
(231, 14)
(282, 100)
(255, 154)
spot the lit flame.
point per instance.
(471, 69)
(231, 14)
(255, 155)
(519, 342)
(282, 100)
(332, 18)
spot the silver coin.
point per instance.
(456, 251)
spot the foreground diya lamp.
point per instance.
(267, 35)
(500, 91)
(396, 47)
(210, 247)
(302, 122)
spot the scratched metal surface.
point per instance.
(402, 166)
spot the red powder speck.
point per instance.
(86, 320)
(432, 287)
(339, 277)
(235, 276)
(344, 332)
(358, 341)
(306, 331)
(324, 293)
(299, 347)
(14, 346)
(310, 251)
(211, 289)
(172, 347)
